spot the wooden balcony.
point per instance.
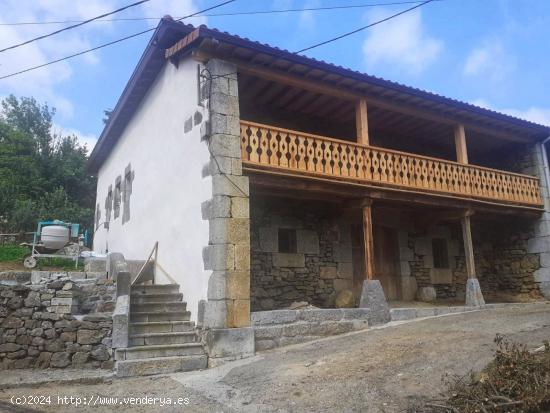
(292, 152)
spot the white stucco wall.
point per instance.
(167, 189)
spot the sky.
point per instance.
(492, 53)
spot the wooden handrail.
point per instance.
(284, 149)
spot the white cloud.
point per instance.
(85, 139)
(401, 42)
(42, 83)
(534, 114)
(490, 60)
(174, 8)
(307, 17)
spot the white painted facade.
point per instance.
(168, 187)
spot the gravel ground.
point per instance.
(380, 370)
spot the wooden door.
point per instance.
(386, 260)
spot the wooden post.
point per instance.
(368, 240)
(460, 144)
(362, 122)
(468, 246)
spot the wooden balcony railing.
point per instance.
(301, 153)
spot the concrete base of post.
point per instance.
(474, 296)
(373, 297)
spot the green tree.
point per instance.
(42, 175)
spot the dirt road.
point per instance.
(379, 370)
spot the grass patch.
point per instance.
(60, 264)
(12, 253)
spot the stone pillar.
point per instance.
(228, 252)
(539, 243)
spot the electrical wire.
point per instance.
(73, 26)
(364, 27)
(244, 13)
(107, 44)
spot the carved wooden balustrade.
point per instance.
(301, 153)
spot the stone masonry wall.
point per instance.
(39, 328)
(319, 269)
(228, 252)
(504, 266)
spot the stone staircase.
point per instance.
(161, 337)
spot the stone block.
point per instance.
(217, 207)
(238, 313)
(60, 359)
(234, 186)
(542, 228)
(538, 245)
(544, 259)
(544, 288)
(426, 294)
(345, 270)
(356, 313)
(328, 273)
(542, 275)
(441, 276)
(344, 299)
(408, 288)
(405, 268)
(372, 297)
(262, 345)
(77, 275)
(425, 312)
(219, 257)
(217, 286)
(342, 284)
(215, 314)
(474, 297)
(228, 146)
(273, 317)
(200, 313)
(289, 260)
(62, 301)
(229, 231)
(240, 208)
(238, 285)
(230, 342)
(89, 336)
(321, 314)
(37, 276)
(269, 239)
(268, 332)
(307, 242)
(406, 254)
(221, 102)
(96, 275)
(401, 314)
(242, 257)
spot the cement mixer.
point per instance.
(55, 239)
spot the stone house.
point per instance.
(267, 177)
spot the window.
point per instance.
(127, 191)
(287, 240)
(440, 254)
(118, 197)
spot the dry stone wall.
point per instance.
(320, 267)
(40, 326)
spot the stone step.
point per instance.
(160, 316)
(161, 327)
(167, 350)
(156, 307)
(153, 339)
(156, 298)
(145, 289)
(161, 365)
